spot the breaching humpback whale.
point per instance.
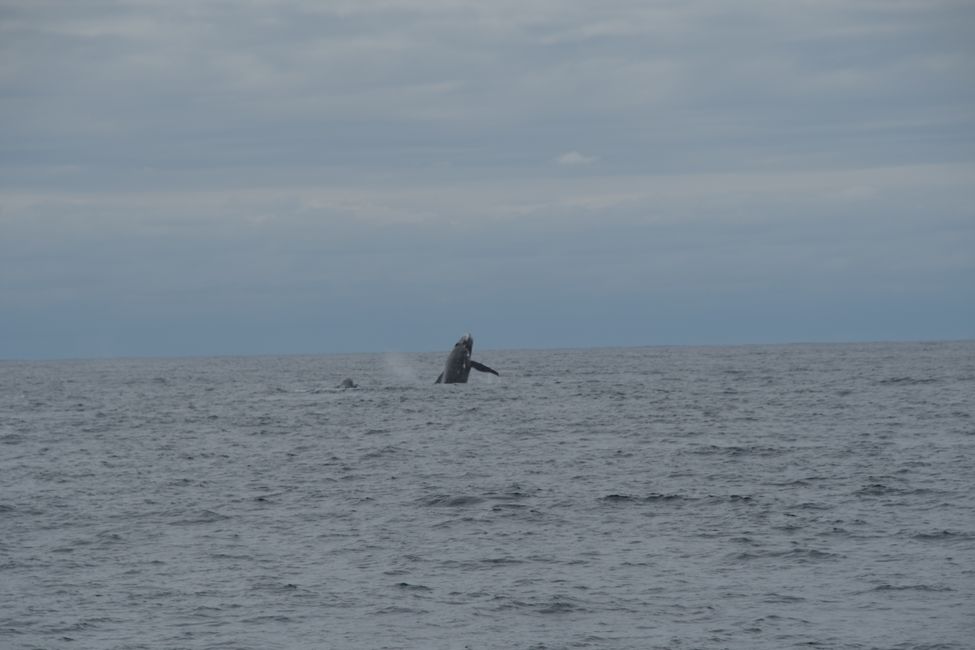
(459, 363)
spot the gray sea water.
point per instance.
(743, 497)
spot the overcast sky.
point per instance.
(183, 177)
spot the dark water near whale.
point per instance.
(749, 497)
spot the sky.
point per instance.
(187, 177)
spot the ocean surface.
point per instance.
(795, 496)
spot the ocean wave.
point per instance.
(796, 555)
(908, 381)
(944, 535)
(553, 605)
(199, 517)
(453, 501)
(919, 587)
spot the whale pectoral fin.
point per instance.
(480, 366)
(439, 379)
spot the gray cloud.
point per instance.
(275, 167)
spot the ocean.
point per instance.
(789, 496)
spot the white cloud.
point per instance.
(575, 159)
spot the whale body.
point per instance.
(459, 363)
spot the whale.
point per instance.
(347, 383)
(459, 363)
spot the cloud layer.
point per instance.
(196, 178)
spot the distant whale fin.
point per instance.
(439, 379)
(480, 366)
